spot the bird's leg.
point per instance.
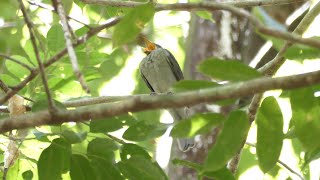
(153, 93)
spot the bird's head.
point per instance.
(149, 46)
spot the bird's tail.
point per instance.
(184, 144)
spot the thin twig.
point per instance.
(137, 104)
(69, 45)
(51, 104)
(50, 8)
(16, 61)
(58, 56)
(120, 141)
(210, 6)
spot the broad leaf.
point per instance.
(221, 174)
(132, 24)
(16, 69)
(230, 140)
(73, 137)
(54, 160)
(138, 167)
(129, 150)
(269, 133)
(227, 70)
(144, 130)
(55, 38)
(102, 149)
(80, 168)
(110, 124)
(197, 124)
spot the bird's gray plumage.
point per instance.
(160, 71)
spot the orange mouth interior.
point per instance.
(150, 46)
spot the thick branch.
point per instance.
(136, 104)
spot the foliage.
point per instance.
(83, 151)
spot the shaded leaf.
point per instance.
(27, 175)
(132, 24)
(197, 124)
(144, 130)
(130, 150)
(102, 149)
(73, 137)
(228, 70)
(269, 133)
(54, 160)
(134, 168)
(104, 169)
(111, 124)
(80, 168)
(229, 141)
(16, 69)
(221, 174)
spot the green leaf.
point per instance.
(189, 85)
(54, 160)
(55, 38)
(144, 130)
(302, 52)
(197, 124)
(42, 104)
(230, 140)
(305, 117)
(80, 168)
(269, 133)
(205, 15)
(27, 175)
(40, 136)
(8, 9)
(104, 169)
(103, 149)
(73, 137)
(188, 164)
(227, 70)
(9, 80)
(138, 167)
(16, 69)
(221, 174)
(110, 124)
(130, 150)
(132, 24)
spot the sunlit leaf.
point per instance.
(229, 141)
(302, 52)
(205, 15)
(229, 70)
(197, 124)
(54, 160)
(132, 24)
(269, 133)
(16, 69)
(55, 38)
(221, 174)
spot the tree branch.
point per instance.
(16, 61)
(69, 45)
(36, 51)
(159, 7)
(136, 104)
(59, 55)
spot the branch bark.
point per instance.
(135, 104)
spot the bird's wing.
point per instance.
(175, 68)
(146, 81)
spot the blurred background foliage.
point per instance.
(288, 121)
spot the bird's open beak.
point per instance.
(150, 46)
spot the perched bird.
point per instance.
(160, 70)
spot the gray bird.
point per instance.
(160, 70)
